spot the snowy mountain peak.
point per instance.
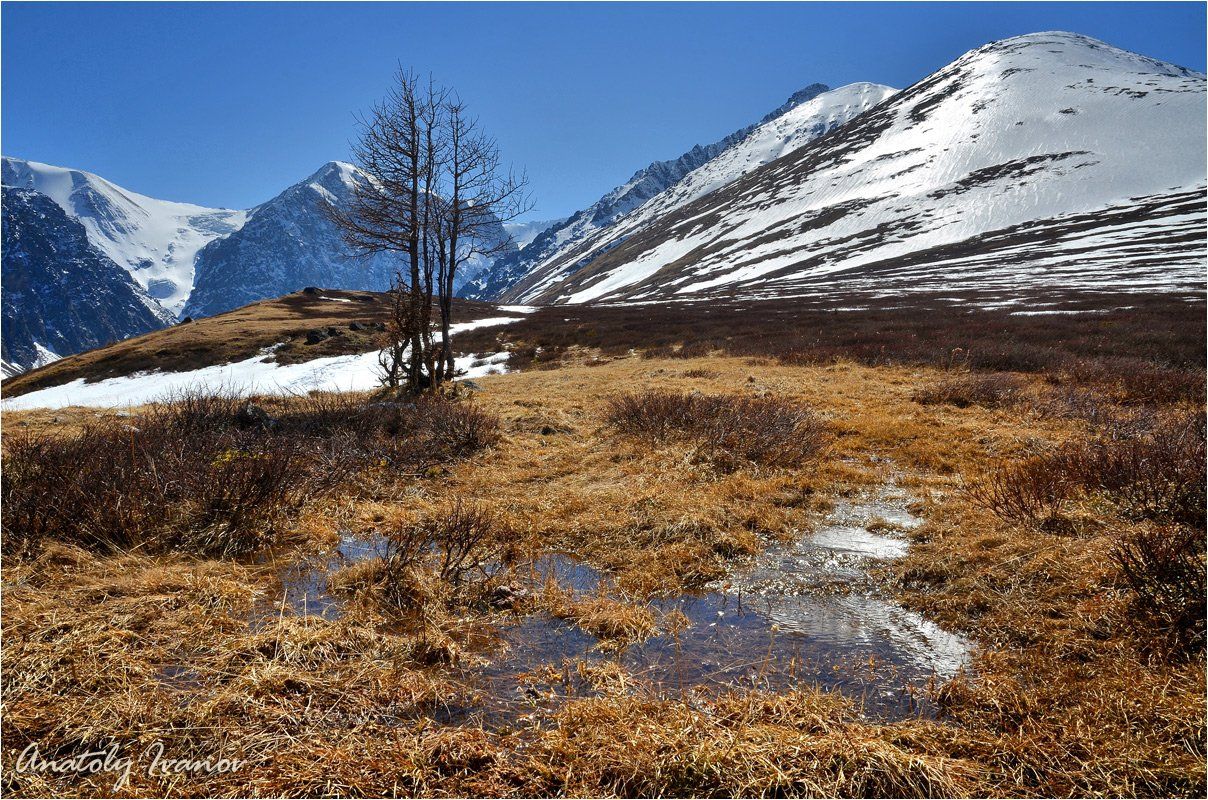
(337, 176)
(1048, 158)
(1076, 50)
(796, 99)
(156, 241)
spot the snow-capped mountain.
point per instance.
(156, 241)
(791, 127)
(287, 243)
(291, 242)
(645, 184)
(190, 260)
(62, 294)
(1050, 159)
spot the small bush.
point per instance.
(1136, 381)
(149, 487)
(217, 475)
(1156, 473)
(993, 390)
(1165, 568)
(727, 430)
(1030, 492)
(454, 557)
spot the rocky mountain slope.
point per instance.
(286, 244)
(551, 245)
(291, 242)
(1050, 158)
(62, 294)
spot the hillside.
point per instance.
(806, 115)
(1048, 159)
(790, 128)
(343, 322)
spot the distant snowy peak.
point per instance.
(798, 123)
(1073, 161)
(286, 244)
(156, 241)
(292, 242)
(523, 233)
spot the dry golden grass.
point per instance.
(1064, 699)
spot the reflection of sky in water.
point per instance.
(770, 626)
(796, 614)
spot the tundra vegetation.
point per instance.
(1058, 461)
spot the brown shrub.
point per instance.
(1156, 474)
(993, 390)
(1136, 381)
(1164, 566)
(217, 474)
(454, 557)
(1030, 492)
(210, 491)
(726, 430)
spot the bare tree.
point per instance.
(435, 194)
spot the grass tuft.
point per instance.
(727, 430)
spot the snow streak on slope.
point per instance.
(1065, 157)
(156, 241)
(765, 143)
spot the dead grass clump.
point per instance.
(614, 622)
(992, 390)
(802, 743)
(728, 431)
(1164, 565)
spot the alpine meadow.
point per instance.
(857, 453)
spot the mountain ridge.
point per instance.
(1046, 126)
(643, 185)
(62, 294)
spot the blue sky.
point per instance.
(227, 104)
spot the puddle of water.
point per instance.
(798, 614)
(304, 588)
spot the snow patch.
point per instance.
(256, 375)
